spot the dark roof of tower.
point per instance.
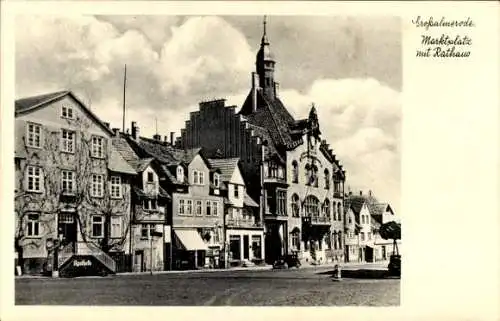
(275, 118)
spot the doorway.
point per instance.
(139, 261)
(246, 247)
(66, 227)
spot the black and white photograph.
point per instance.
(207, 160)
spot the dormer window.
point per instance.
(67, 112)
(216, 180)
(236, 191)
(150, 177)
(180, 174)
(198, 177)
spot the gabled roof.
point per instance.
(29, 104)
(226, 166)
(248, 201)
(118, 164)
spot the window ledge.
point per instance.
(67, 152)
(35, 147)
(116, 197)
(33, 237)
(33, 191)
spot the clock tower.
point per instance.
(265, 66)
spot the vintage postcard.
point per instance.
(251, 154)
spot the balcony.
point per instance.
(275, 216)
(243, 223)
(275, 180)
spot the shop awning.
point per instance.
(190, 240)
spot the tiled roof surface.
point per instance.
(273, 116)
(226, 166)
(118, 164)
(123, 147)
(27, 103)
(248, 201)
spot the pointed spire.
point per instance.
(264, 40)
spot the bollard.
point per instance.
(337, 273)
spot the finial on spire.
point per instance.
(265, 23)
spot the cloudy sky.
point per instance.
(350, 67)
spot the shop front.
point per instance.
(189, 251)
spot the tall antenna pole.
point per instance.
(156, 125)
(124, 89)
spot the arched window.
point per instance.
(339, 211)
(335, 240)
(311, 206)
(295, 205)
(180, 174)
(334, 210)
(327, 179)
(308, 174)
(326, 208)
(295, 172)
(314, 175)
(339, 235)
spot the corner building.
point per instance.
(286, 166)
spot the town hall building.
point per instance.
(287, 167)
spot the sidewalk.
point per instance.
(344, 266)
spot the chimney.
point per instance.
(165, 139)
(276, 89)
(135, 130)
(116, 132)
(157, 137)
(350, 193)
(370, 193)
(172, 135)
(107, 124)
(360, 193)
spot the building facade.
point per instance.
(195, 219)
(244, 235)
(287, 167)
(72, 192)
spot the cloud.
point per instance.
(175, 62)
(361, 119)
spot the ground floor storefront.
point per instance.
(244, 246)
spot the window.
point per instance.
(281, 203)
(340, 240)
(308, 174)
(198, 177)
(180, 174)
(33, 225)
(216, 180)
(97, 185)
(147, 230)
(97, 147)
(339, 211)
(116, 187)
(273, 170)
(215, 206)
(295, 241)
(150, 204)
(116, 226)
(314, 177)
(326, 208)
(350, 219)
(236, 191)
(295, 172)
(68, 141)
(369, 235)
(202, 178)
(311, 206)
(362, 236)
(195, 177)
(68, 182)
(97, 226)
(269, 201)
(34, 135)
(67, 112)
(34, 179)
(209, 209)
(327, 179)
(150, 177)
(334, 211)
(198, 208)
(181, 207)
(189, 207)
(335, 240)
(295, 205)
(257, 246)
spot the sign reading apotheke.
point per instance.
(82, 265)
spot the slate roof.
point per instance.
(225, 165)
(273, 116)
(122, 146)
(28, 103)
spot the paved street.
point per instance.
(303, 287)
